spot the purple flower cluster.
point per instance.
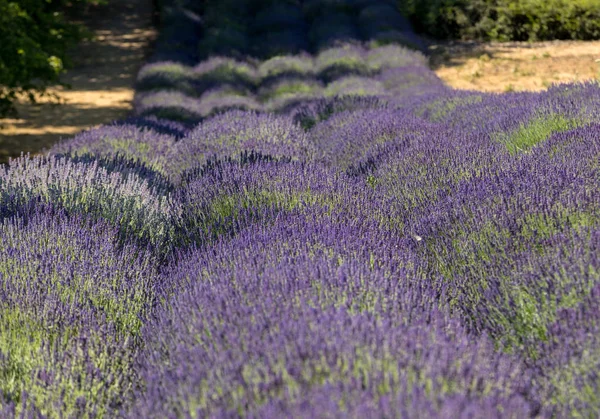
(231, 133)
(301, 220)
(317, 302)
(113, 193)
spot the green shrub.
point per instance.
(35, 36)
(505, 20)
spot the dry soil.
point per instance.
(515, 66)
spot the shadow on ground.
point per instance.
(101, 80)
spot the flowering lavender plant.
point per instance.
(72, 302)
(230, 133)
(126, 200)
(353, 239)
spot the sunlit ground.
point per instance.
(515, 66)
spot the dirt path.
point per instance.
(515, 66)
(102, 80)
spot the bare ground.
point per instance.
(515, 66)
(102, 81)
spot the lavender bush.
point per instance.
(229, 195)
(288, 65)
(300, 219)
(165, 75)
(72, 304)
(229, 134)
(124, 199)
(344, 319)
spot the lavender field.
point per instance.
(302, 220)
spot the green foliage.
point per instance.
(505, 20)
(35, 37)
(536, 131)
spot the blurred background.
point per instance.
(67, 65)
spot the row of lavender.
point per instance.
(189, 91)
(391, 248)
(189, 94)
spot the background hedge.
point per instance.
(505, 20)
